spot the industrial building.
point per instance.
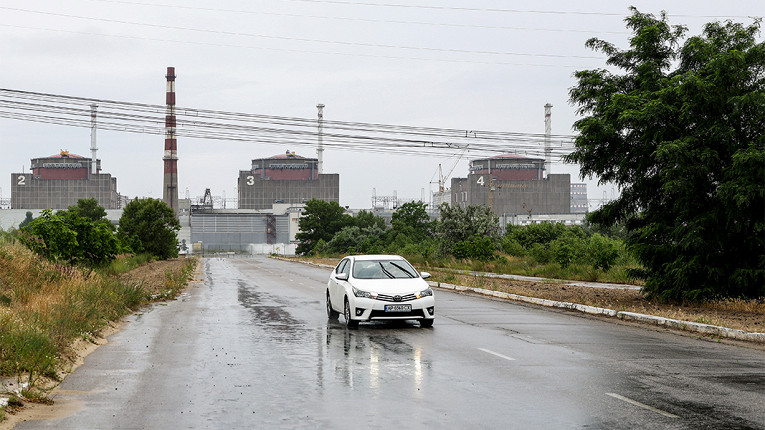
(245, 230)
(512, 184)
(516, 189)
(59, 181)
(579, 199)
(286, 178)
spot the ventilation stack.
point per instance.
(320, 149)
(548, 130)
(170, 185)
(93, 147)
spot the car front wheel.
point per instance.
(331, 313)
(426, 323)
(347, 314)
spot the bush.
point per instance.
(604, 251)
(542, 233)
(562, 252)
(512, 247)
(540, 253)
(481, 248)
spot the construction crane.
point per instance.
(441, 177)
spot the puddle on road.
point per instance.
(269, 313)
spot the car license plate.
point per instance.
(398, 308)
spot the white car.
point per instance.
(379, 287)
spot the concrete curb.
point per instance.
(708, 329)
(689, 326)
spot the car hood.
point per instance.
(390, 286)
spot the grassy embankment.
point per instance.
(526, 266)
(45, 307)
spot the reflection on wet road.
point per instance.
(251, 347)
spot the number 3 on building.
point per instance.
(250, 180)
(480, 181)
(22, 180)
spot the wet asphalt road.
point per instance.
(251, 347)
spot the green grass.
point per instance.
(126, 263)
(44, 307)
(527, 266)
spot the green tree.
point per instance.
(150, 225)
(413, 220)
(320, 220)
(27, 220)
(50, 236)
(367, 219)
(681, 130)
(459, 224)
(88, 208)
(96, 242)
(68, 236)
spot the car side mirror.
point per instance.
(425, 275)
(341, 276)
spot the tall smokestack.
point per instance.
(93, 148)
(548, 149)
(170, 185)
(320, 149)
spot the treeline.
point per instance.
(81, 234)
(467, 237)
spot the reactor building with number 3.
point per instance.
(285, 178)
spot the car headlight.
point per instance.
(362, 293)
(425, 293)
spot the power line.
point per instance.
(301, 51)
(299, 39)
(495, 10)
(356, 19)
(219, 125)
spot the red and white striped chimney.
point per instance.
(170, 186)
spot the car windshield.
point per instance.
(383, 269)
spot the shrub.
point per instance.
(540, 253)
(481, 248)
(604, 251)
(512, 247)
(562, 252)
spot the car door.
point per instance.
(336, 289)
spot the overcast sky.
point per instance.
(462, 64)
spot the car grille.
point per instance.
(417, 313)
(404, 298)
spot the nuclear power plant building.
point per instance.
(285, 178)
(59, 181)
(513, 185)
